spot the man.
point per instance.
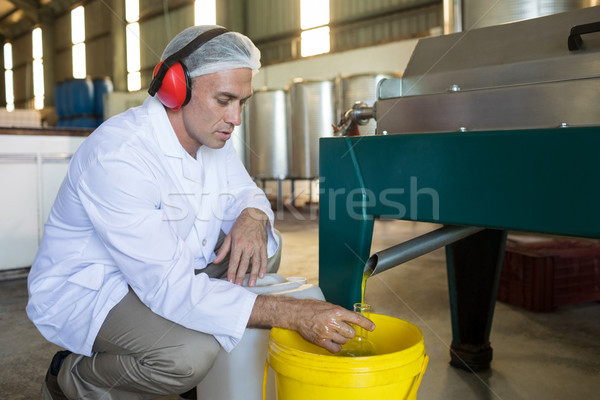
(155, 206)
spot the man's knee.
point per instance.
(184, 366)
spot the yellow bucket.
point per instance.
(307, 372)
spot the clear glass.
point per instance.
(37, 44)
(9, 90)
(8, 56)
(77, 25)
(314, 41)
(79, 65)
(132, 39)
(313, 13)
(38, 84)
(359, 345)
(205, 12)
(134, 81)
(132, 10)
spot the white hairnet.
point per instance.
(230, 50)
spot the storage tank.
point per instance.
(363, 88)
(239, 139)
(312, 109)
(268, 134)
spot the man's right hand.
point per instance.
(319, 322)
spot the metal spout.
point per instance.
(411, 249)
(359, 114)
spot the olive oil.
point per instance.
(363, 286)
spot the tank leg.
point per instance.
(293, 192)
(279, 195)
(474, 265)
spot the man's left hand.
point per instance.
(247, 242)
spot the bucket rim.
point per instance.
(366, 363)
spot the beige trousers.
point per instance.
(141, 355)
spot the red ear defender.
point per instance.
(175, 90)
(171, 82)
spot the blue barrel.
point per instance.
(64, 123)
(84, 122)
(67, 99)
(101, 86)
(82, 96)
(59, 100)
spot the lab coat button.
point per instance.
(204, 242)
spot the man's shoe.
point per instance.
(50, 388)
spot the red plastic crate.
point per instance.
(541, 276)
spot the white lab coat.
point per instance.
(136, 210)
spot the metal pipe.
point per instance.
(411, 249)
(359, 114)
(362, 113)
(453, 11)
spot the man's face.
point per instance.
(215, 107)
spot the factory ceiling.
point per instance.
(18, 17)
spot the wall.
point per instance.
(390, 57)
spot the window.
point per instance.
(314, 17)
(8, 77)
(38, 69)
(78, 41)
(205, 12)
(132, 15)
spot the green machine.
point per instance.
(489, 130)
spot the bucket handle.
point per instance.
(413, 391)
(264, 396)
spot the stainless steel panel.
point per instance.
(548, 105)
(362, 87)
(268, 134)
(312, 105)
(519, 53)
(480, 13)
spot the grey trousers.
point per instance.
(141, 355)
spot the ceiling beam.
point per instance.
(8, 14)
(31, 8)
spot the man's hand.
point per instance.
(247, 243)
(318, 322)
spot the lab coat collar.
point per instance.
(168, 142)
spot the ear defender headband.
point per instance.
(171, 81)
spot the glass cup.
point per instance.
(359, 345)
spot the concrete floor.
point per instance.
(536, 355)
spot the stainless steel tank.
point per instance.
(267, 124)
(363, 88)
(239, 140)
(312, 109)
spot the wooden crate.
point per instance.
(541, 276)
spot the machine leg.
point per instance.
(474, 265)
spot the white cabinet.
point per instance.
(31, 171)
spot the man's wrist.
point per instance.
(256, 214)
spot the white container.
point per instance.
(238, 375)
